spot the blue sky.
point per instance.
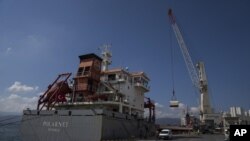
(40, 39)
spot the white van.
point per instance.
(165, 134)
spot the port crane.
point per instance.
(199, 79)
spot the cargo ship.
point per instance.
(97, 104)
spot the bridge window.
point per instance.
(79, 72)
(86, 71)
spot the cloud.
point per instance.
(16, 103)
(182, 106)
(194, 110)
(158, 105)
(162, 111)
(35, 42)
(8, 50)
(32, 40)
(17, 87)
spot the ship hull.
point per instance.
(82, 125)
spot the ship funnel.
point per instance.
(106, 56)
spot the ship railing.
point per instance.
(139, 84)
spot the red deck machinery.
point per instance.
(55, 93)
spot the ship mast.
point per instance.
(106, 56)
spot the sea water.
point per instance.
(9, 129)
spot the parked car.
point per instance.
(165, 134)
(208, 131)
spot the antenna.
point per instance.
(106, 56)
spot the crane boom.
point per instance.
(199, 81)
(184, 50)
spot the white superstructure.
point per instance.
(129, 89)
(114, 89)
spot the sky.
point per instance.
(43, 38)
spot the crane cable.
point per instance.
(172, 64)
